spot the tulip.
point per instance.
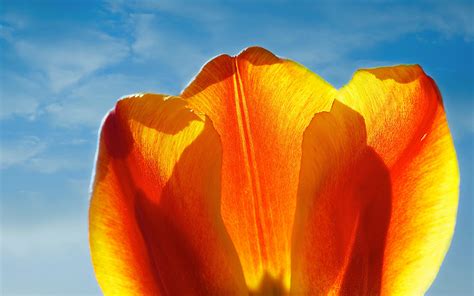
(263, 179)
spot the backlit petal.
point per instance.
(381, 219)
(260, 105)
(343, 209)
(406, 125)
(155, 226)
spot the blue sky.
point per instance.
(65, 63)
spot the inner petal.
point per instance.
(260, 105)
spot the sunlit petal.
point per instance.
(260, 105)
(376, 214)
(155, 225)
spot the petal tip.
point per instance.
(403, 73)
(257, 56)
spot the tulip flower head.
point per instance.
(263, 179)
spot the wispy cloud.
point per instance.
(11, 22)
(390, 19)
(87, 104)
(35, 155)
(320, 42)
(20, 96)
(40, 68)
(202, 11)
(166, 47)
(19, 151)
(70, 67)
(68, 59)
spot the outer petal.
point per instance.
(406, 125)
(155, 226)
(260, 106)
(410, 179)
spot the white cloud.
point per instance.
(19, 95)
(67, 60)
(10, 22)
(454, 18)
(318, 43)
(81, 95)
(36, 155)
(202, 11)
(166, 47)
(54, 67)
(19, 151)
(14, 20)
(390, 20)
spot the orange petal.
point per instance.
(379, 218)
(260, 105)
(343, 209)
(155, 225)
(406, 125)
